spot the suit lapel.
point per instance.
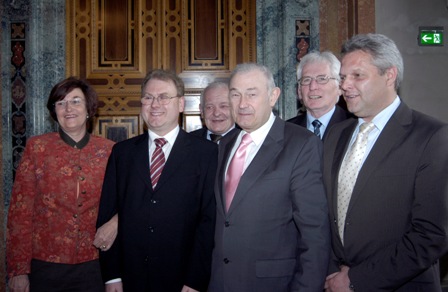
(301, 120)
(224, 152)
(204, 133)
(269, 150)
(335, 118)
(394, 131)
(142, 160)
(339, 115)
(178, 154)
(341, 148)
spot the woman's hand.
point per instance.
(19, 283)
(106, 234)
(188, 289)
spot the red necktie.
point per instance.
(157, 161)
(235, 169)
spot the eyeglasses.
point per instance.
(63, 103)
(162, 99)
(321, 79)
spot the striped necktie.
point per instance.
(317, 124)
(157, 161)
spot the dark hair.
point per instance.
(164, 75)
(64, 87)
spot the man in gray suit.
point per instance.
(272, 228)
(391, 229)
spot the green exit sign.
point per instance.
(430, 36)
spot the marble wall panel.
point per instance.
(280, 41)
(32, 61)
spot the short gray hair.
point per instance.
(248, 67)
(320, 57)
(383, 50)
(212, 85)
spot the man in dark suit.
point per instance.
(272, 228)
(387, 186)
(215, 112)
(318, 91)
(165, 223)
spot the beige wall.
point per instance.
(425, 85)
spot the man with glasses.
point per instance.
(318, 90)
(161, 186)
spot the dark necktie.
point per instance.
(157, 161)
(316, 124)
(215, 138)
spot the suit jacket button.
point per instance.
(226, 224)
(146, 259)
(151, 229)
(226, 261)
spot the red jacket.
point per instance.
(47, 220)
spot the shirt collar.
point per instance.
(170, 136)
(72, 143)
(260, 134)
(325, 119)
(381, 119)
(210, 132)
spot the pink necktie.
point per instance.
(157, 161)
(235, 169)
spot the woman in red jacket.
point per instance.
(54, 203)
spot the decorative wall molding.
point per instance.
(273, 43)
(341, 19)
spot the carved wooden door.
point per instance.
(114, 43)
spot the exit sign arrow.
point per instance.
(430, 36)
(425, 38)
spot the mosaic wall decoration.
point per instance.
(303, 36)
(18, 92)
